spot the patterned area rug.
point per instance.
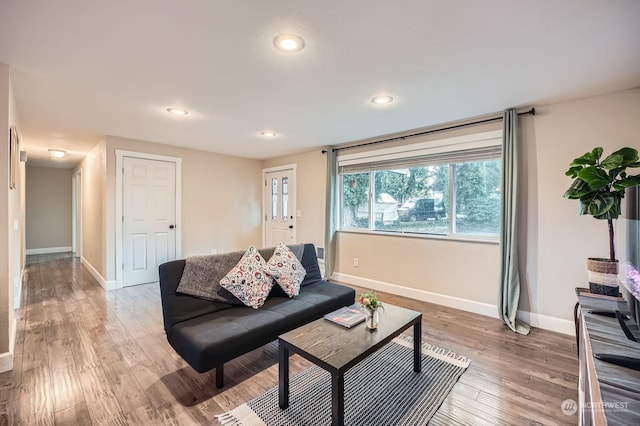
(381, 390)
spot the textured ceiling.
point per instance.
(84, 69)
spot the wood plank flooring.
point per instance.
(85, 356)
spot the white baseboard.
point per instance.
(536, 320)
(6, 359)
(107, 285)
(548, 323)
(48, 250)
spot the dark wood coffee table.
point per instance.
(337, 349)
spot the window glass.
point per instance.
(355, 200)
(285, 198)
(478, 197)
(417, 200)
(274, 199)
(412, 200)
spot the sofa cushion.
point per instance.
(213, 339)
(285, 268)
(310, 263)
(247, 280)
(178, 307)
(202, 274)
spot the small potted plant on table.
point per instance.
(370, 303)
(600, 185)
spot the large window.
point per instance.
(453, 189)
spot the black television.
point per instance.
(629, 275)
(630, 257)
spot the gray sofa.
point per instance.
(207, 334)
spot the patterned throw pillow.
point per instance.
(286, 269)
(247, 280)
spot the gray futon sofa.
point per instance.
(206, 334)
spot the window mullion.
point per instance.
(452, 199)
(372, 207)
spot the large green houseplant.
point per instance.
(600, 185)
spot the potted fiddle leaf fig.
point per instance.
(600, 185)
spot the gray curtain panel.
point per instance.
(330, 214)
(510, 274)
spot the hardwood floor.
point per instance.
(85, 356)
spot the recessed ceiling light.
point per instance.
(57, 153)
(382, 99)
(268, 133)
(177, 111)
(288, 43)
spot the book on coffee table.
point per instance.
(347, 316)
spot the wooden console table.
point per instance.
(608, 394)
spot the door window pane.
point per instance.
(274, 199)
(355, 200)
(285, 198)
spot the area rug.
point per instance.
(381, 390)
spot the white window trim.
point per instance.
(458, 143)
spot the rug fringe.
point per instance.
(227, 419)
(436, 352)
(240, 416)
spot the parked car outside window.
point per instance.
(421, 209)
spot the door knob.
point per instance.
(171, 226)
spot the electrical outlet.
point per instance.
(356, 262)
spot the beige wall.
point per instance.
(220, 199)
(48, 207)
(311, 182)
(92, 175)
(558, 240)
(465, 270)
(11, 224)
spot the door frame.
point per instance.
(120, 154)
(265, 209)
(76, 213)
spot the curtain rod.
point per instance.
(531, 111)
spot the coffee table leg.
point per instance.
(417, 346)
(283, 376)
(337, 399)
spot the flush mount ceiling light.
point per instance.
(268, 133)
(57, 153)
(177, 111)
(288, 43)
(381, 99)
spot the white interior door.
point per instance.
(279, 209)
(149, 217)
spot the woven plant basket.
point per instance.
(603, 276)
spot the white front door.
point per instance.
(279, 208)
(149, 218)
